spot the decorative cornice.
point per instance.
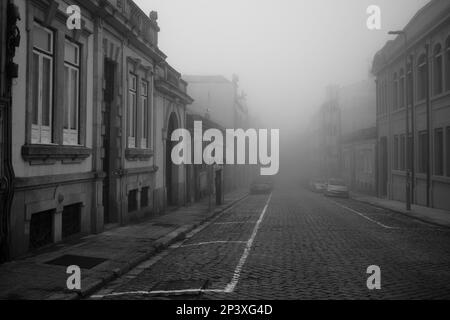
(169, 89)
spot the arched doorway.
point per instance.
(171, 168)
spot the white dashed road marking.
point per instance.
(237, 272)
(365, 217)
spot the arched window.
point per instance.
(395, 94)
(447, 64)
(437, 70)
(401, 100)
(422, 77)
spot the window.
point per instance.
(145, 113)
(409, 84)
(132, 93)
(402, 152)
(402, 89)
(409, 152)
(41, 229)
(71, 93)
(447, 64)
(395, 94)
(422, 78)
(42, 85)
(437, 72)
(385, 93)
(439, 152)
(423, 151)
(396, 151)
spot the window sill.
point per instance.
(134, 154)
(50, 154)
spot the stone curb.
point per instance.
(402, 212)
(159, 245)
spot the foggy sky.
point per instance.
(285, 51)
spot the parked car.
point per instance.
(318, 185)
(262, 185)
(337, 188)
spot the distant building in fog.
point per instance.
(342, 136)
(357, 104)
(219, 105)
(422, 84)
(325, 134)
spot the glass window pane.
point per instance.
(71, 53)
(46, 91)
(74, 104)
(66, 98)
(42, 39)
(35, 111)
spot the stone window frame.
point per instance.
(48, 16)
(56, 205)
(41, 133)
(142, 73)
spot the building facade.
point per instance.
(357, 104)
(325, 133)
(93, 108)
(218, 103)
(413, 71)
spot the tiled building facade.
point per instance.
(415, 74)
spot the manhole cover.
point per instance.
(73, 260)
(174, 285)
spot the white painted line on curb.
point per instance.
(100, 296)
(237, 272)
(365, 217)
(210, 242)
(241, 222)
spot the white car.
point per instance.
(337, 188)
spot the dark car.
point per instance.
(262, 185)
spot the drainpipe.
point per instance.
(12, 41)
(413, 130)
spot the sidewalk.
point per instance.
(430, 215)
(122, 249)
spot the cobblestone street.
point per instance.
(297, 244)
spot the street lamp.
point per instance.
(409, 158)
